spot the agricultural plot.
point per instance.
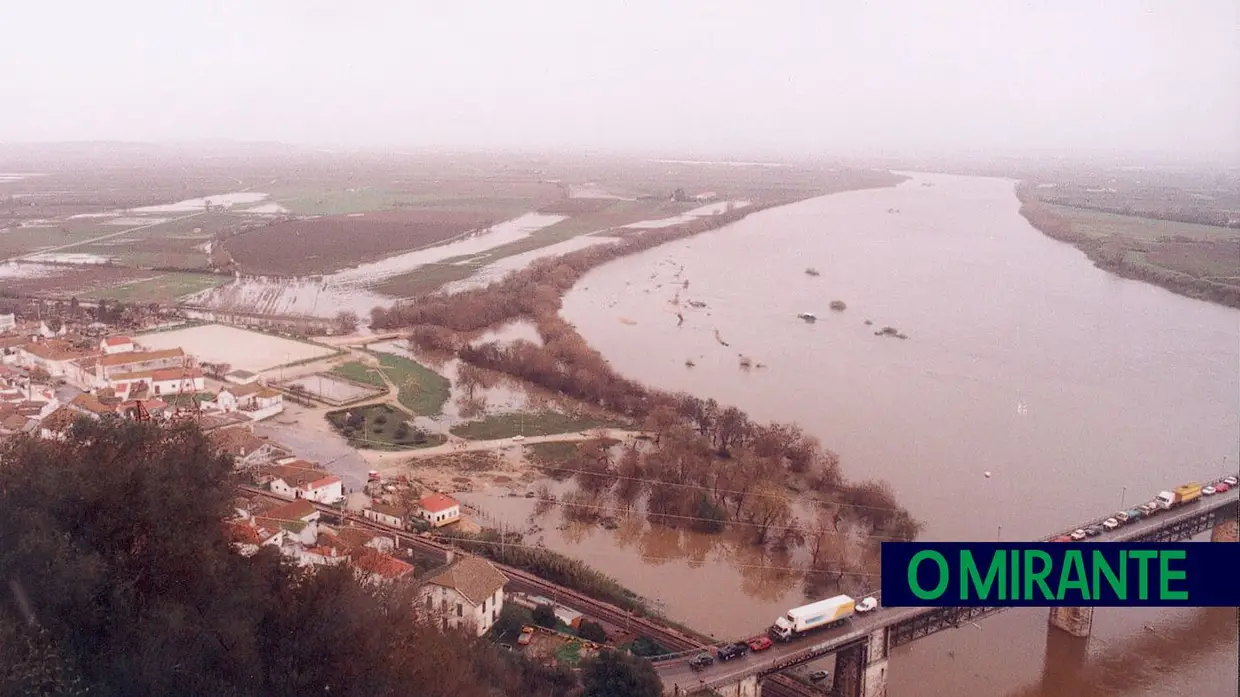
(239, 348)
(166, 287)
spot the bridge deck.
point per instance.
(910, 624)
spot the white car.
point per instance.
(518, 439)
(1110, 523)
(1229, 480)
(1208, 491)
(866, 605)
(1078, 535)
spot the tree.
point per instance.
(544, 616)
(616, 674)
(592, 631)
(346, 322)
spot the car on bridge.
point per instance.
(1093, 531)
(866, 605)
(1061, 538)
(1110, 523)
(819, 676)
(1209, 491)
(730, 651)
(700, 661)
(1222, 487)
(1230, 480)
(760, 643)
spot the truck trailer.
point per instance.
(1179, 496)
(802, 620)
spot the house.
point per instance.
(469, 592)
(255, 400)
(90, 405)
(8, 322)
(52, 329)
(301, 479)
(247, 536)
(116, 344)
(138, 361)
(351, 540)
(241, 377)
(373, 566)
(161, 382)
(384, 514)
(299, 520)
(246, 448)
(81, 372)
(13, 422)
(11, 349)
(56, 425)
(153, 407)
(51, 355)
(439, 510)
(211, 422)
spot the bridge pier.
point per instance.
(749, 687)
(1077, 621)
(861, 669)
(1225, 531)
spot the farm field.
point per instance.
(239, 348)
(161, 288)
(422, 390)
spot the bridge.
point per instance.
(862, 646)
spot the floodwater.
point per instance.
(1079, 391)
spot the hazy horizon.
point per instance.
(958, 78)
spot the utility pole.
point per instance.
(1122, 495)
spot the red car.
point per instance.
(759, 643)
(1061, 538)
(1221, 487)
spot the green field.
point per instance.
(379, 427)
(164, 288)
(422, 390)
(360, 372)
(530, 424)
(366, 200)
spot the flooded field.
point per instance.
(201, 204)
(239, 348)
(331, 389)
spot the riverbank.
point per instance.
(1196, 261)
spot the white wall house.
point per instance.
(254, 400)
(469, 594)
(299, 520)
(439, 510)
(8, 322)
(384, 514)
(116, 344)
(164, 382)
(301, 479)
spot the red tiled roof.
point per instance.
(139, 357)
(437, 503)
(297, 510)
(60, 419)
(473, 577)
(90, 403)
(385, 565)
(118, 340)
(55, 350)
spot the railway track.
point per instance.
(669, 637)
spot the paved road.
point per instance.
(678, 672)
(458, 445)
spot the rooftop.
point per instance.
(139, 357)
(437, 503)
(385, 565)
(473, 577)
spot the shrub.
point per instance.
(544, 616)
(592, 631)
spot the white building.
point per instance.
(160, 383)
(299, 520)
(469, 593)
(384, 514)
(439, 510)
(301, 479)
(8, 322)
(116, 344)
(254, 400)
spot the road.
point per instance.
(460, 445)
(679, 672)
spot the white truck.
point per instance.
(799, 621)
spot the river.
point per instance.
(1075, 389)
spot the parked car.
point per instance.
(527, 635)
(1110, 523)
(1134, 515)
(730, 651)
(1147, 509)
(1209, 491)
(1078, 535)
(1062, 538)
(1230, 480)
(701, 661)
(819, 676)
(1121, 517)
(760, 643)
(1222, 487)
(1093, 530)
(866, 605)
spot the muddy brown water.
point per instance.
(1077, 390)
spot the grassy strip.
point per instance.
(530, 424)
(359, 372)
(422, 390)
(375, 427)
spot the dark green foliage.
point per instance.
(123, 582)
(647, 647)
(616, 674)
(710, 517)
(544, 616)
(592, 631)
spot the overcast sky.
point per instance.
(900, 77)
